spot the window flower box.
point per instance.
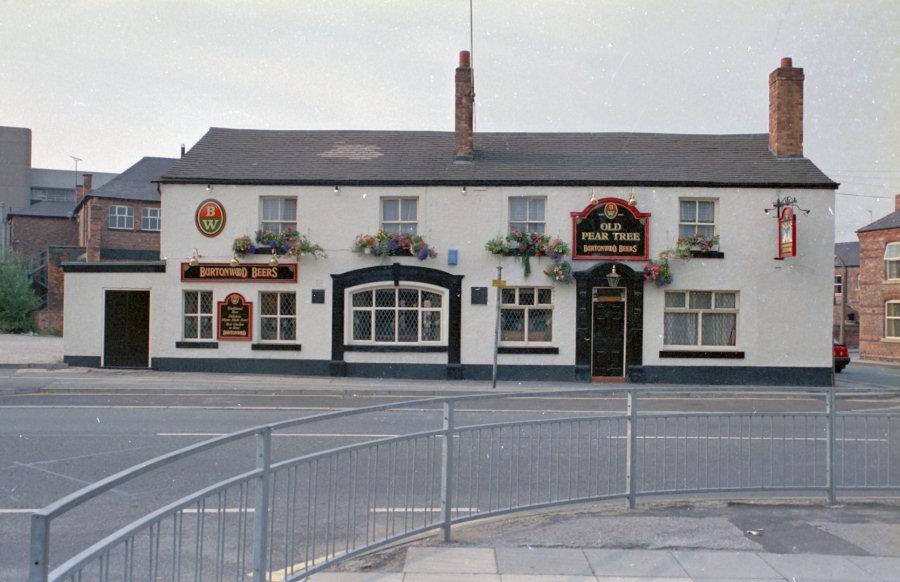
(393, 244)
(288, 242)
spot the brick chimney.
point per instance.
(897, 202)
(85, 188)
(464, 138)
(92, 244)
(786, 110)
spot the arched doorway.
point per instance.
(609, 322)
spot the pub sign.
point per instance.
(235, 318)
(209, 217)
(611, 229)
(252, 272)
(787, 233)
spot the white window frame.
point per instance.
(892, 317)
(283, 223)
(399, 222)
(889, 260)
(527, 222)
(696, 223)
(148, 215)
(198, 314)
(278, 317)
(700, 346)
(838, 284)
(125, 213)
(444, 311)
(527, 309)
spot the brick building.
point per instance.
(879, 280)
(846, 292)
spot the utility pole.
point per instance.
(499, 284)
(843, 299)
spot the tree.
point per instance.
(17, 298)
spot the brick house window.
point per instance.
(838, 284)
(278, 214)
(121, 217)
(150, 219)
(198, 315)
(696, 217)
(892, 320)
(526, 213)
(277, 316)
(700, 318)
(399, 215)
(390, 315)
(526, 315)
(892, 261)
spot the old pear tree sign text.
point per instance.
(210, 217)
(610, 229)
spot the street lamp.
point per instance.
(613, 278)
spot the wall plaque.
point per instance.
(210, 217)
(235, 318)
(610, 229)
(787, 234)
(286, 273)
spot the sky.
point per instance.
(112, 81)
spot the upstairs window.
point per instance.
(278, 214)
(892, 261)
(696, 217)
(399, 215)
(150, 219)
(838, 284)
(121, 217)
(392, 315)
(526, 213)
(700, 318)
(526, 314)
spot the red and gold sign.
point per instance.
(210, 217)
(610, 229)
(787, 233)
(235, 318)
(249, 272)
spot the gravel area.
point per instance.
(30, 349)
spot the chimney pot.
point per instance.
(465, 59)
(787, 63)
(182, 150)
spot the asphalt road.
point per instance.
(53, 444)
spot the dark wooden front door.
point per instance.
(608, 334)
(126, 340)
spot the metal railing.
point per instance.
(288, 519)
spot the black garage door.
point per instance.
(126, 341)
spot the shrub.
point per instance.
(17, 298)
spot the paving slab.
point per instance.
(639, 579)
(544, 578)
(646, 563)
(448, 577)
(879, 539)
(549, 561)
(880, 567)
(357, 577)
(451, 560)
(803, 567)
(730, 565)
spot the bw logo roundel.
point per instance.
(210, 217)
(611, 210)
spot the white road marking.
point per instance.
(421, 509)
(16, 511)
(193, 510)
(278, 434)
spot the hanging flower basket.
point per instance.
(526, 245)
(658, 271)
(559, 272)
(393, 244)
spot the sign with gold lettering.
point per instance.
(210, 217)
(610, 229)
(235, 318)
(249, 272)
(787, 233)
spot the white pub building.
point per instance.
(625, 256)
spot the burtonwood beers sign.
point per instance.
(253, 272)
(610, 229)
(235, 318)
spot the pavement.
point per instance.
(26, 350)
(667, 543)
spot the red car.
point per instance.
(841, 357)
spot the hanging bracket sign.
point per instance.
(610, 229)
(235, 318)
(787, 233)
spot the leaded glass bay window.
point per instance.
(700, 318)
(396, 315)
(526, 315)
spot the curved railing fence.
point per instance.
(285, 520)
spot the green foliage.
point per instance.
(17, 299)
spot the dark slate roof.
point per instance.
(47, 209)
(137, 182)
(249, 156)
(848, 252)
(65, 179)
(892, 220)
